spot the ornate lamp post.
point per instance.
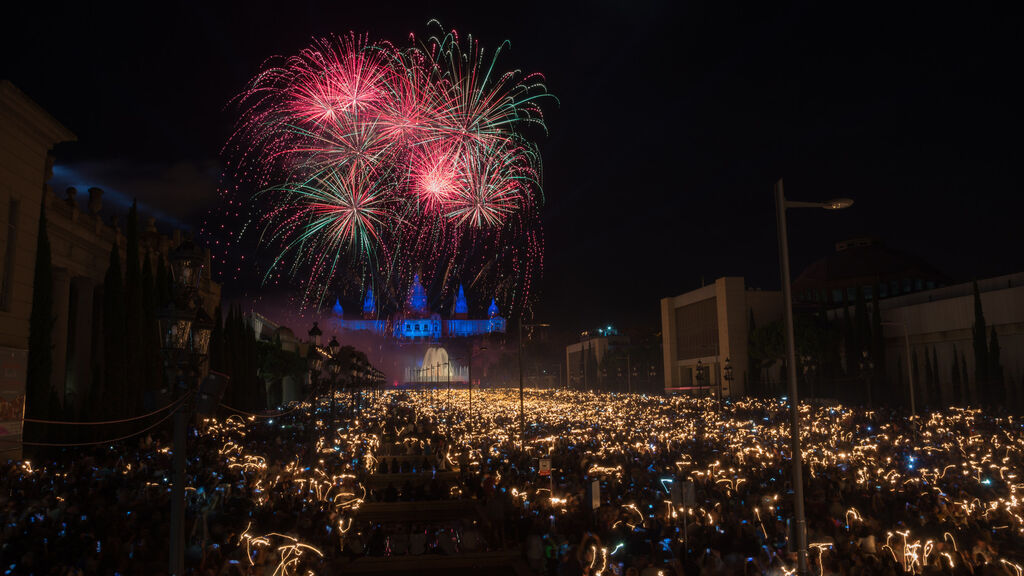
(334, 367)
(184, 344)
(316, 365)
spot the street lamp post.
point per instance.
(184, 340)
(522, 410)
(316, 364)
(727, 376)
(701, 376)
(781, 204)
(335, 367)
(448, 400)
(469, 360)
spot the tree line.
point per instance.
(128, 377)
(845, 359)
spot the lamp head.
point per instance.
(315, 333)
(837, 204)
(186, 265)
(175, 326)
(202, 327)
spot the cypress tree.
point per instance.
(135, 350)
(958, 398)
(901, 384)
(217, 342)
(115, 370)
(995, 370)
(40, 332)
(231, 360)
(937, 376)
(919, 395)
(753, 361)
(878, 345)
(963, 378)
(849, 339)
(862, 328)
(152, 364)
(981, 360)
(164, 294)
(929, 378)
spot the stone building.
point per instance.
(710, 325)
(940, 322)
(81, 237)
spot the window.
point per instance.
(895, 286)
(12, 235)
(837, 296)
(930, 284)
(918, 285)
(851, 293)
(883, 290)
(868, 292)
(907, 285)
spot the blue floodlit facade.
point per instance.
(417, 321)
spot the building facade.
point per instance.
(939, 324)
(27, 135)
(416, 322)
(81, 237)
(707, 326)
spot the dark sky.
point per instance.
(675, 119)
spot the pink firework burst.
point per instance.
(390, 160)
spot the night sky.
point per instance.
(674, 122)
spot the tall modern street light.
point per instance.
(910, 368)
(781, 204)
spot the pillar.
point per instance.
(80, 343)
(61, 299)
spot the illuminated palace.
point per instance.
(416, 323)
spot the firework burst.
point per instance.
(385, 160)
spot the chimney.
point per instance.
(70, 195)
(95, 201)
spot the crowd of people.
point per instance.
(638, 485)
